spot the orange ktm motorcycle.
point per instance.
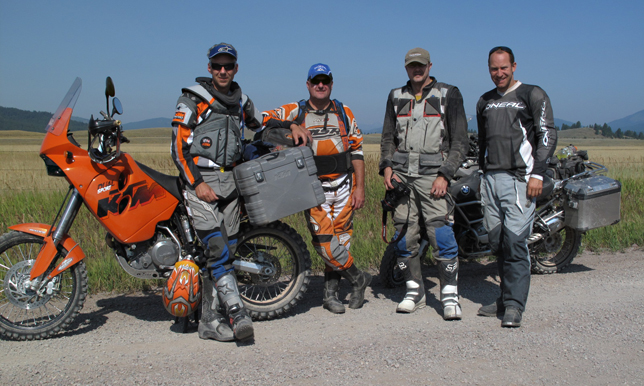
(43, 277)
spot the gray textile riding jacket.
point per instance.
(424, 137)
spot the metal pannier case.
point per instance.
(592, 202)
(279, 184)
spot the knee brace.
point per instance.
(446, 243)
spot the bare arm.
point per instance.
(357, 200)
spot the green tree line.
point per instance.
(16, 119)
(605, 131)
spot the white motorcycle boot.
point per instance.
(448, 275)
(415, 296)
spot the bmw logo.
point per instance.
(465, 190)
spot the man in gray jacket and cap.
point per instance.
(424, 141)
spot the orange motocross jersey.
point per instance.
(324, 126)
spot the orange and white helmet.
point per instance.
(182, 292)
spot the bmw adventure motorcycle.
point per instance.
(43, 277)
(554, 241)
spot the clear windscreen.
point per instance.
(63, 114)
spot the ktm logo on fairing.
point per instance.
(138, 193)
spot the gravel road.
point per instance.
(582, 327)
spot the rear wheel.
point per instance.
(283, 252)
(26, 314)
(555, 252)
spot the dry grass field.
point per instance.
(27, 194)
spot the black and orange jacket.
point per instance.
(324, 126)
(193, 110)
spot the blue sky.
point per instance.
(587, 55)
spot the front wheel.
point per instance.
(390, 273)
(555, 252)
(282, 250)
(26, 314)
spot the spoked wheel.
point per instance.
(286, 265)
(390, 272)
(26, 314)
(555, 252)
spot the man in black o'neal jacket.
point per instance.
(516, 138)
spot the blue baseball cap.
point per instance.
(319, 69)
(222, 48)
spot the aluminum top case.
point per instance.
(592, 202)
(279, 184)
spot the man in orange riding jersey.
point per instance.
(331, 130)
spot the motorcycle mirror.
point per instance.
(109, 92)
(117, 107)
(109, 87)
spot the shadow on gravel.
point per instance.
(575, 268)
(145, 306)
(472, 284)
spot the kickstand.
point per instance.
(185, 320)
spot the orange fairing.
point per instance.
(61, 125)
(128, 202)
(48, 251)
(122, 197)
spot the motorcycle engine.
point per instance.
(163, 252)
(481, 233)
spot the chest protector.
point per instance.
(218, 134)
(420, 131)
(337, 162)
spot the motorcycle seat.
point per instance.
(170, 183)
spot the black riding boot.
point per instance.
(359, 281)
(330, 299)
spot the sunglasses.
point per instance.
(217, 66)
(324, 79)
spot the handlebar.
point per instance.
(594, 167)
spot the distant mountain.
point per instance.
(16, 119)
(559, 122)
(148, 124)
(633, 122)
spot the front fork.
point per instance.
(53, 237)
